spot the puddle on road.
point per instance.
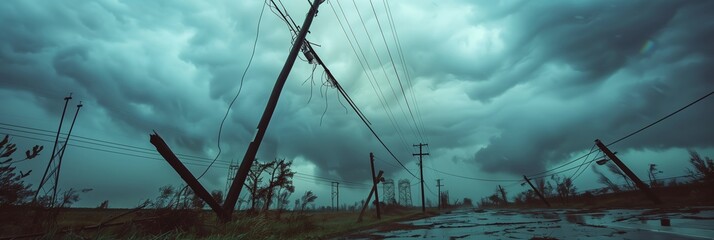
(559, 224)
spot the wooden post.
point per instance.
(642, 186)
(185, 174)
(369, 197)
(536, 191)
(239, 180)
(374, 184)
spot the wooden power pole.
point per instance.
(438, 185)
(239, 180)
(374, 184)
(421, 172)
(642, 186)
(369, 197)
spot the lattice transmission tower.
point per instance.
(405, 192)
(388, 191)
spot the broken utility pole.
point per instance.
(185, 174)
(239, 180)
(369, 197)
(536, 191)
(374, 183)
(421, 173)
(642, 186)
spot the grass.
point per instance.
(204, 225)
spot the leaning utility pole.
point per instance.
(239, 180)
(64, 149)
(438, 185)
(369, 197)
(642, 186)
(536, 191)
(421, 172)
(54, 149)
(374, 183)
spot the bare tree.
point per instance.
(13, 190)
(253, 180)
(564, 187)
(280, 180)
(703, 168)
(616, 170)
(605, 180)
(307, 198)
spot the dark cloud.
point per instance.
(622, 86)
(503, 86)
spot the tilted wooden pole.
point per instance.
(374, 184)
(369, 197)
(642, 186)
(242, 173)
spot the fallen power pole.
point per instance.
(421, 173)
(249, 158)
(186, 175)
(642, 186)
(369, 197)
(536, 191)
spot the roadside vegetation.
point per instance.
(694, 189)
(176, 212)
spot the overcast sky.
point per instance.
(498, 89)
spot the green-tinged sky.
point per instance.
(498, 89)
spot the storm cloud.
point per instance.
(504, 88)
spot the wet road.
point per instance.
(693, 223)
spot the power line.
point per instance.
(473, 178)
(399, 80)
(404, 67)
(348, 184)
(240, 87)
(620, 139)
(351, 103)
(372, 80)
(98, 142)
(374, 49)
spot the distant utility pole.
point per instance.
(438, 185)
(374, 184)
(642, 186)
(54, 149)
(421, 172)
(242, 174)
(335, 186)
